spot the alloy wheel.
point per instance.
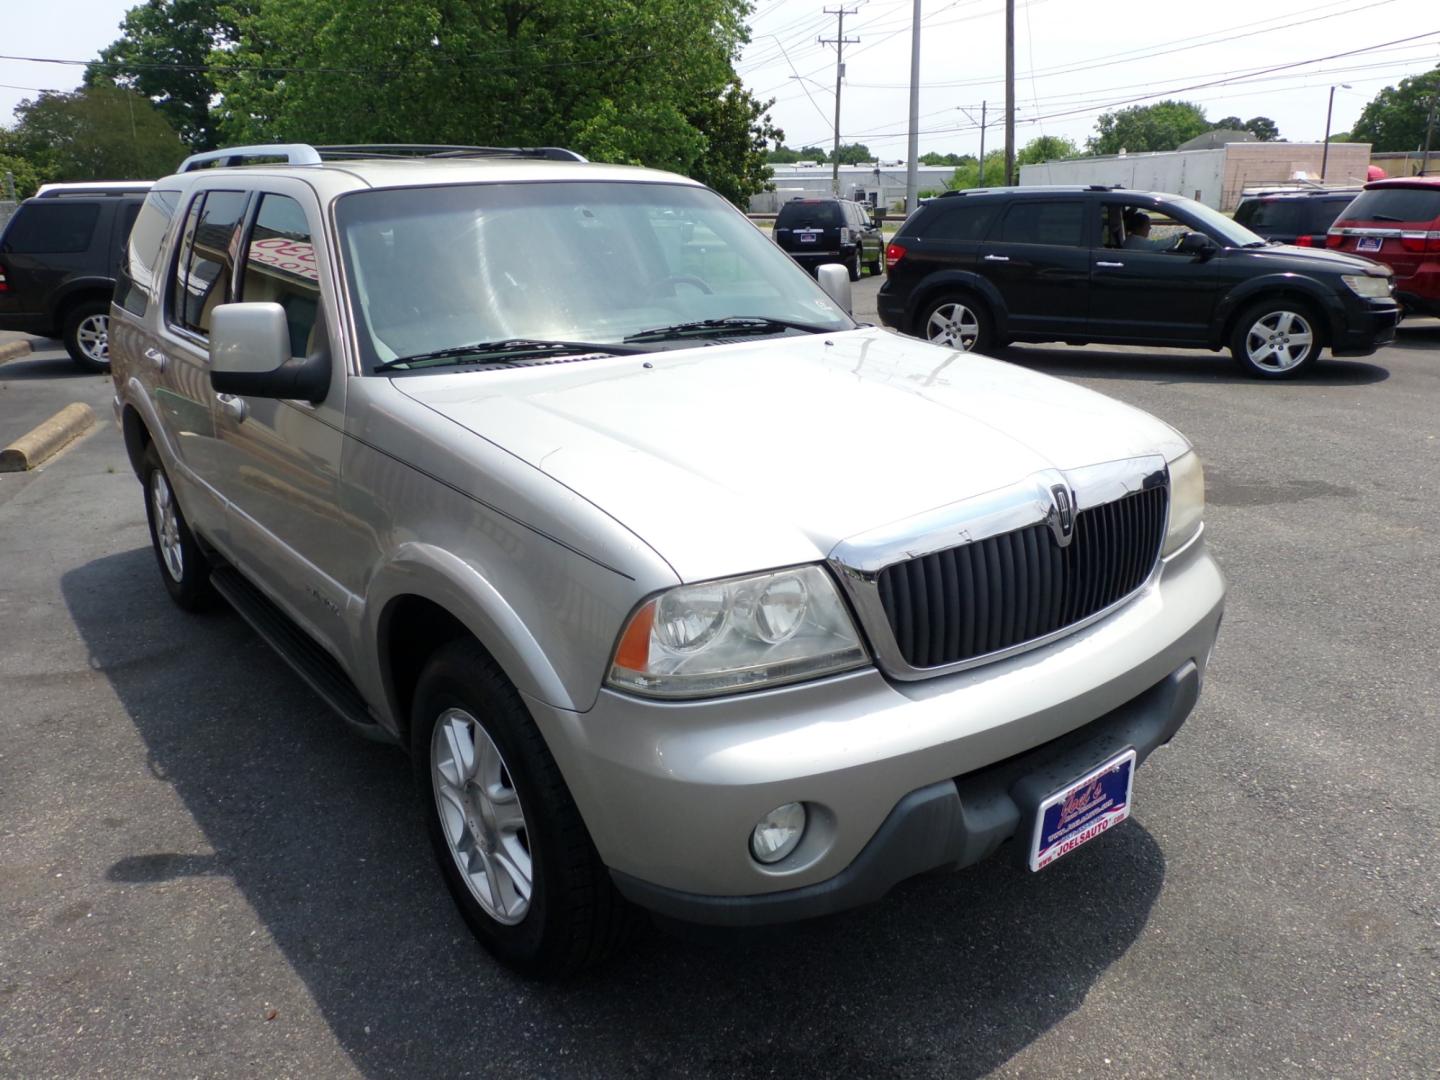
(93, 337)
(167, 525)
(1279, 341)
(955, 325)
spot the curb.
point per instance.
(13, 350)
(41, 443)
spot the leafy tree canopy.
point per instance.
(933, 158)
(854, 154)
(1046, 148)
(1394, 120)
(634, 81)
(1262, 127)
(95, 133)
(784, 155)
(968, 175)
(162, 53)
(1142, 128)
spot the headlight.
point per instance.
(1368, 285)
(1187, 501)
(719, 637)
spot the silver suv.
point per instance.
(684, 591)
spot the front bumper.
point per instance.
(671, 790)
(1364, 327)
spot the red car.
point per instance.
(1397, 222)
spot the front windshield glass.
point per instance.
(442, 268)
(1217, 224)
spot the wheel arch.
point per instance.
(137, 438)
(76, 292)
(937, 285)
(1277, 287)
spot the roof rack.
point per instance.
(93, 187)
(305, 154)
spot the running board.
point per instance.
(312, 663)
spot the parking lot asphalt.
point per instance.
(202, 874)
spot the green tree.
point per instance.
(95, 133)
(23, 173)
(636, 81)
(1142, 128)
(968, 175)
(737, 129)
(933, 158)
(1047, 148)
(1394, 120)
(162, 53)
(1262, 127)
(853, 154)
(784, 155)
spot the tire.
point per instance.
(530, 885)
(1276, 339)
(183, 566)
(959, 321)
(87, 336)
(874, 265)
(853, 266)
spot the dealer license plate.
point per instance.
(1081, 811)
(1369, 243)
(807, 237)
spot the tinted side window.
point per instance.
(203, 271)
(1272, 215)
(1030, 222)
(280, 267)
(1321, 214)
(135, 284)
(1395, 205)
(51, 228)
(960, 221)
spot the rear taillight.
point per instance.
(1420, 243)
(4, 285)
(1305, 241)
(1333, 239)
(893, 254)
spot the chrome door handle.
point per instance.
(158, 358)
(997, 258)
(1111, 264)
(232, 406)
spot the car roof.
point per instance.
(1423, 182)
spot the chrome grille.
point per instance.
(1002, 591)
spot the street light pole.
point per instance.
(1325, 152)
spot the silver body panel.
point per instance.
(540, 505)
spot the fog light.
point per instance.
(778, 833)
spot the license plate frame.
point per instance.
(807, 237)
(1083, 809)
(1369, 243)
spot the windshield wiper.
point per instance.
(730, 324)
(507, 348)
(1385, 217)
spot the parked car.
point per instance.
(564, 478)
(1397, 222)
(819, 231)
(1294, 216)
(58, 257)
(978, 269)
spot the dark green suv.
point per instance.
(979, 269)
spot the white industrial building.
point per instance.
(1216, 177)
(880, 182)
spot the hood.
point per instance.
(1290, 257)
(741, 457)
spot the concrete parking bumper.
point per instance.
(11, 350)
(47, 439)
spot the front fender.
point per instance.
(451, 583)
(1271, 285)
(944, 281)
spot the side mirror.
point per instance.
(835, 280)
(250, 355)
(1197, 244)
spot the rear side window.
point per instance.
(808, 215)
(51, 228)
(1320, 214)
(1271, 215)
(1408, 205)
(207, 259)
(960, 221)
(1031, 222)
(280, 267)
(135, 284)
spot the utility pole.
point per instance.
(980, 179)
(1009, 92)
(912, 166)
(1430, 133)
(839, 41)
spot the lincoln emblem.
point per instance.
(1062, 514)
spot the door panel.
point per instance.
(1039, 258)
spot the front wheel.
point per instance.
(1276, 339)
(511, 845)
(959, 322)
(87, 336)
(183, 566)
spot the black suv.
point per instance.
(816, 231)
(58, 258)
(979, 269)
(1290, 216)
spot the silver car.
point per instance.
(684, 591)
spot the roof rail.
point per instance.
(93, 187)
(293, 153)
(441, 150)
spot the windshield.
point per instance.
(594, 262)
(1216, 224)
